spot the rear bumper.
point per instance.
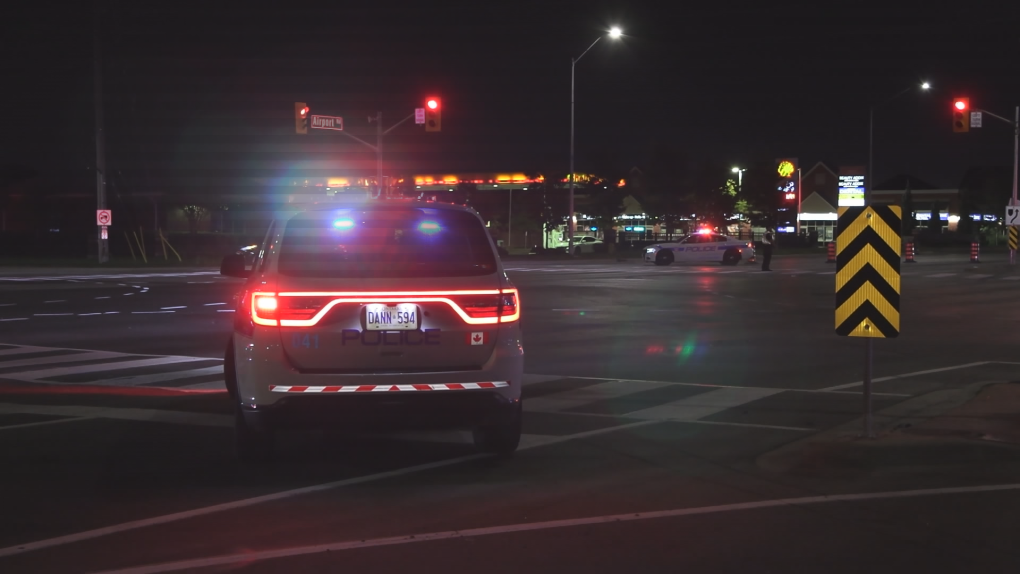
(272, 391)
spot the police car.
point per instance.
(382, 315)
(702, 247)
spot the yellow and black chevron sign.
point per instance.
(1012, 238)
(868, 271)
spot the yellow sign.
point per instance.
(868, 271)
(786, 168)
(1012, 238)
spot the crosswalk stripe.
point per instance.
(25, 350)
(40, 375)
(703, 405)
(580, 397)
(165, 377)
(49, 360)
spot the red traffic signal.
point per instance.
(961, 115)
(433, 115)
(301, 117)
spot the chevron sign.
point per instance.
(868, 271)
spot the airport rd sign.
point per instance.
(868, 271)
(327, 123)
(104, 217)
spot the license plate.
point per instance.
(399, 317)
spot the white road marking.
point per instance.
(107, 297)
(27, 349)
(979, 276)
(942, 275)
(710, 385)
(213, 304)
(703, 405)
(35, 376)
(163, 377)
(92, 356)
(1013, 278)
(112, 313)
(56, 301)
(15, 319)
(175, 307)
(7, 304)
(51, 314)
(579, 397)
(905, 375)
(127, 294)
(88, 314)
(250, 556)
(246, 502)
(150, 312)
(41, 423)
(224, 310)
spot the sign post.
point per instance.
(868, 281)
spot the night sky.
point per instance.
(202, 94)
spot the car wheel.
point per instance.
(664, 257)
(731, 257)
(229, 370)
(253, 443)
(501, 440)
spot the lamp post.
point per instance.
(869, 183)
(740, 178)
(613, 33)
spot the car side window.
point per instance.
(260, 262)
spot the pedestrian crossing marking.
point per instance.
(868, 271)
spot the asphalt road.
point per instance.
(650, 396)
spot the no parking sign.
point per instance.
(104, 217)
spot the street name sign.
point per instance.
(975, 119)
(328, 123)
(868, 271)
(419, 115)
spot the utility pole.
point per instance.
(103, 250)
(378, 147)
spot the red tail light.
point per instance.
(306, 309)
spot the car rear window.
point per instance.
(391, 241)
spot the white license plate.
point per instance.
(399, 317)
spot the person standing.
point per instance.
(766, 250)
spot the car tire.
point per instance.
(500, 440)
(252, 443)
(731, 257)
(230, 370)
(664, 257)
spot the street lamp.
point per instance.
(869, 183)
(740, 178)
(614, 33)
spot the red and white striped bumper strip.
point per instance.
(387, 388)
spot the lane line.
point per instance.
(248, 557)
(150, 312)
(69, 358)
(35, 376)
(41, 423)
(224, 310)
(213, 304)
(246, 502)
(51, 314)
(56, 301)
(107, 297)
(15, 319)
(713, 386)
(124, 414)
(163, 377)
(175, 307)
(905, 375)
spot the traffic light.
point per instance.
(301, 113)
(961, 115)
(433, 115)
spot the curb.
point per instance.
(901, 415)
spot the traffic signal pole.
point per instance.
(102, 243)
(378, 147)
(1016, 157)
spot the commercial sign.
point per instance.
(851, 187)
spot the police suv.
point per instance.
(702, 247)
(377, 314)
